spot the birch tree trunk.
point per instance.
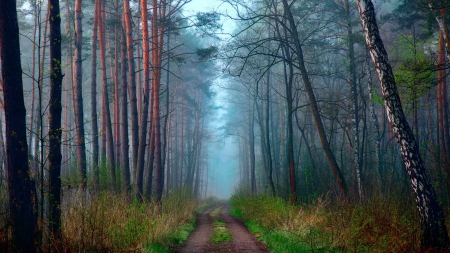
(432, 222)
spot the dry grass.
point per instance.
(108, 223)
(379, 225)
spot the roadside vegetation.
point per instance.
(379, 225)
(106, 222)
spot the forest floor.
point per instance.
(200, 241)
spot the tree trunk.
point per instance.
(375, 123)
(157, 43)
(313, 102)
(124, 118)
(78, 98)
(94, 117)
(132, 90)
(354, 98)
(252, 149)
(21, 188)
(55, 131)
(106, 110)
(139, 169)
(432, 222)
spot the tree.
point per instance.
(21, 188)
(78, 98)
(55, 130)
(312, 98)
(106, 114)
(95, 147)
(432, 222)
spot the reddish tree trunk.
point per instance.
(106, 111)
(94, 118)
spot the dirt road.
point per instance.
(243, 240)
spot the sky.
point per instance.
(223, 152)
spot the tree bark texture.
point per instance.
(78, 98)
(55, 131)
(432, 223)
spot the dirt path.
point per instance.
(243, 240)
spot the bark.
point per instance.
(55, 131)
(157, 43)
(252, 150)
(94, 118)
(313, 102)
(267, 139)
(375, 122)
(116, 86)
(124, 119)
(132, 87)
(106, 110)
(442, 103)
(139, 169)
(78, 98)
(21, 188)
(432, 222)
(354, 98)
(33, 77)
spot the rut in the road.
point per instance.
(243, 240)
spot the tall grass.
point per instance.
(378, 225)
(108, 223)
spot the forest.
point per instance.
(118, 119)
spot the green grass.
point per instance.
(221, 234)
(284, 241)
(378, 225)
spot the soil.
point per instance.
(243, 240)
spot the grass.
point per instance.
(221, 234)
(379, 225)
(108, 223)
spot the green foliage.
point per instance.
(415, 72)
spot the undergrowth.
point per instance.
(108, 223)
(379, 225)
